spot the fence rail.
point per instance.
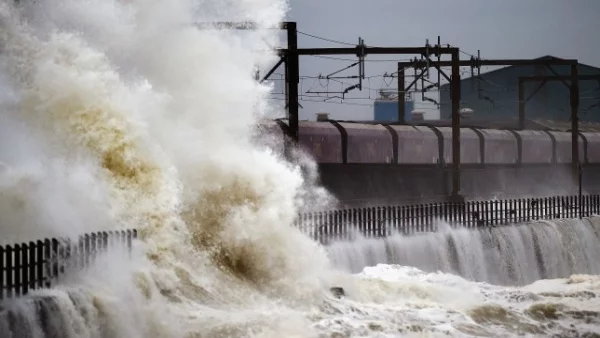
(39, 264)
(35, 265)
(339, 225)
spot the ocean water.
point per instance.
(123, 114)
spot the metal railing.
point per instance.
(36, 265)
(340, 225)
(39, 264)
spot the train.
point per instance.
(338, 142)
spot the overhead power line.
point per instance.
(354, 60)
(330, 102)
(326, 39)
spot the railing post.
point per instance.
(451, 214)
(435, 212)
(319, 225)
(363, 224)
(31, 265)
(364, 221)
(355, 221)
(402, 220)
(380, 223)
(464, 213)
(327, 227)
(588, 202)
(374, 222)
(444, 212)
(9, 269)
(339, 225)
(93, 247)
(397, 216)
(370, 221)
(104, 240)
(527, 205)
(388, 220)
(561, 206)
(331, 225)
(468, 215)
(497, 212)
(48, 264)
(589, 205)
(509, 211)
(429, 216)
(411, 217)
(2, 272)
(486, 213)
(17, 269)
(458, 211)
(24, 268)
(419, 219)
(345, 232)
(573, 207)
(360, 224)
(321, 230)
(40, 263)
(308, 223)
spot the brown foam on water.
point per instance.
(497, 315)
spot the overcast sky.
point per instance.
(500, 29)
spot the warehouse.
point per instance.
(494, 95)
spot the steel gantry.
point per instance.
(290, 57)
(477, 63)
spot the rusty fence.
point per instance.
(39, 264)
(340, 225)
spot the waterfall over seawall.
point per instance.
(506, 255)
(54, 314)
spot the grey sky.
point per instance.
(500, 29)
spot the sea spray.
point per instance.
(158, 117)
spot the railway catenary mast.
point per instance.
(362, 51)
(476, 62)
(290, 57)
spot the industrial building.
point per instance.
(495, 95)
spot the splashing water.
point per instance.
(503, 255)
(124, 114)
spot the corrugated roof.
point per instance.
(507, 124)
(545, 57)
